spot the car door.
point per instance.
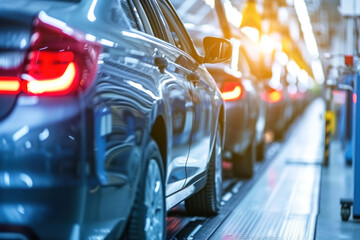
(129, 86)
(177, 94)
(202, 91)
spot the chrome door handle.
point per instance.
(193, 77)
(161, 63)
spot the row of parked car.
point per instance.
(109, 118)
(259, 92)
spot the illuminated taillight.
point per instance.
(354, 97)
(273, 96)
(231, 91)
(9, 85)
(62, 84)
(60, 59)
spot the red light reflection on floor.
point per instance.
(273, 177)
(230, 237)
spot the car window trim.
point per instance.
(156, 19)
(194, 54)
(135, 14)
(141, 16)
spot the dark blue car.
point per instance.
(244, 106)
(108, 119)
(245, 118)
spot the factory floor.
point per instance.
(296, 197)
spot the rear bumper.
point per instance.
(40, 144)
(48, 183)
(238, 137)
(61, 213)
(49, 213)
(41, 171)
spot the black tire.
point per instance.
(243, 165)
(345, 213)
(207, 201)
(136, 228)
(260, 151)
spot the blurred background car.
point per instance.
(257, 61)
(108, 119)
(245, 109)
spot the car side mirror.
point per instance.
(217, 50)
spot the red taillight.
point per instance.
(231, 91)
(354, 97)
(52, 73)
(273, 96)
(9, 85)
(48, 65)
(60, 85)
(59, 61)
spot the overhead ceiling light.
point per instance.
(310, 41)
(267, 44)
(252, 33)
(251, 21)
(233, 15)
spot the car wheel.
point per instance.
(243, 165)
(147, 219)
(260, 151)
(207, 201)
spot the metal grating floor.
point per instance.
(284, 202)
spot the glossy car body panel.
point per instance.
(80, 157)
(245, 116)
(241, 114)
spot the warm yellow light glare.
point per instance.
(275, 96)
(251, 16)
(233, 15)
(303, 77)
(235, 53)
(278, 45)
(211, 3)
(292, 68)
(267, 44)
(282, 58)
(283, 15)
(252, 33)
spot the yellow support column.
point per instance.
(329, 132)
